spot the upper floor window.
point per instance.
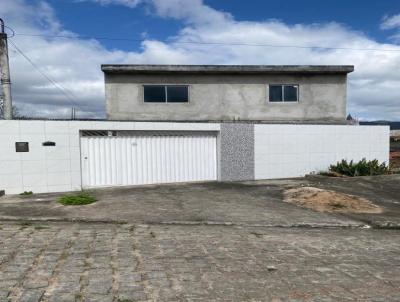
(166, 93)
(283, 93)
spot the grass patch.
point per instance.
(25, 224)
(26, 193)
(41, 227)
(82, 198)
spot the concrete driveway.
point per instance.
(250, 203)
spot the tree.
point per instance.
(15, 112)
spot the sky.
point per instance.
(68, 40)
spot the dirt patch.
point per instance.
(395, 161)
(329, 201)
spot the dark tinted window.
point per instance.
(283, 93)
(21, 146)
(177, 94)
(154, 94)
(290, 93)
(275, 93)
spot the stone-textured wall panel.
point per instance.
(237, 151)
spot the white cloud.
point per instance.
(128, 3)
(390, 22)
(75, 63)
(191, 11)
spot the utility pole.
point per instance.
(73, 113)
(5, 73)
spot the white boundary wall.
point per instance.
(280, 150)
(58, 168)
(283, 151)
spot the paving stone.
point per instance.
(31, 296)
(4, 295)
(64, 297)
(200, 263)
(64, 287)
(132, 295)
(5, 285)
(98, 287)
(99, 298)
(35, 282)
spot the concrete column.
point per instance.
(5, 77)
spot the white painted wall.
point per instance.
(57, 169)
(280, 150)
(283, 151)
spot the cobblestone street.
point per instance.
(110, 262)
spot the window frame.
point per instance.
(283, 94)
(166, 93)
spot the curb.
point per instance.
(366, 225)
(263, 225)
(188, 223)
(63, 220)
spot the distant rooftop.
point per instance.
(227, 69)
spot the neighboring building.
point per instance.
(395, 134)
(226, 93)
(351, 120)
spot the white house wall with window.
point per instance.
(226, 93)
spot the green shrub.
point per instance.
(26, 193)
(361, 168)
(77, 199)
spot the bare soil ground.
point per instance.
(395, 161)
(329, 201)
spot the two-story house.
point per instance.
(178, 123)
(226, 93)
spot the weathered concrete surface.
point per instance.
(246, 203)
(384, 191)
(225, 69)
(224, 203)
(97, 262)
(227, 97)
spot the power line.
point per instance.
(214, 43)
(64, 91)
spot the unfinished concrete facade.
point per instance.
(226, 93)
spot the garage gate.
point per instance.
(125, 158)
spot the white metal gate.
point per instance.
(148, 159)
